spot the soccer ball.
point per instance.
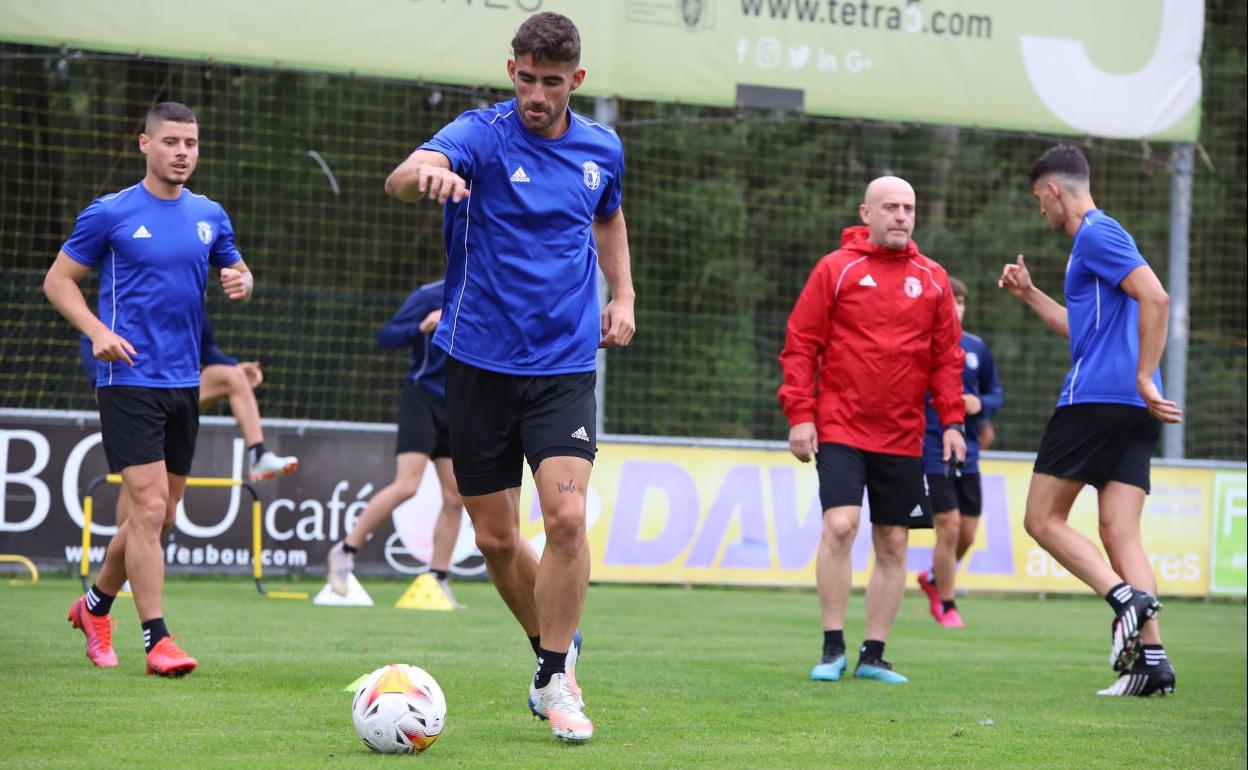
(399, 709)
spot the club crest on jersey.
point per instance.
(205, 231)
(593, 177)
(913, 287)
(972, 360)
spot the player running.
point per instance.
(533, 197)
(153, 243)
(423, 438)
(955, 489)
(1108, 416)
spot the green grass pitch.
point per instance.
(673, 678)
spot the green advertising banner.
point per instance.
(1229, 571)
(1112, 68)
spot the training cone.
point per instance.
(356, 595)
(424, 594)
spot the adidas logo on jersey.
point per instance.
(868, 281)
(141, 232)
(580, 434)
(518, 175)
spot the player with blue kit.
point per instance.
(153, 244)
(1108, 416)
(954, 488)
(532, 194)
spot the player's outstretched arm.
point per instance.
(61, 285)
(426, 173)
(237, 281)
(1016, 279)
(1144, 287)
(618, 319)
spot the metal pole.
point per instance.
(1175, 379)
(606, 111)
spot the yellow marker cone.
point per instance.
(424, 594)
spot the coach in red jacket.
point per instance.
(874, 329)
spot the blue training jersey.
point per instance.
(1104, 320)
(979, 378)
(153, 257)
(521, 293)
(428, 369)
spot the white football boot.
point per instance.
(270, 466)
(569, 665)
(559, 706)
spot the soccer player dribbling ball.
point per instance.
(152, 243)
(532, 194)
(1108, 416)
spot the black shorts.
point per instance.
(1099, 443)
(422, 423)
(142, 425)
(896, 486)
(960, 493)
(499, 420)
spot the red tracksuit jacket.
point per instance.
(873, 330)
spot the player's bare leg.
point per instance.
(945, 554)
(147, 493)
(562, 581)
(563, 574)
(968, 527)
(446, 529)
(887, 584)
(885, 589)
(113, 571)
(833, 566)
(1049, 500)
(220, 381)
(151, 506)
(833, 578)
(409, 469)
(509, 558)
(1121, 506)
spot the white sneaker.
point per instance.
(558, 705)
(270, 466)
(341, 565)
(569, 665)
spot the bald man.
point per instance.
(874, 329)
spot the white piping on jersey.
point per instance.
(589, 122)
(930, 277)
(1098, 302)
(837, 292)
(1074, 376)
(112, 326)
(500, 116)
(459, 304)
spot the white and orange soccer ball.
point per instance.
(399, 709)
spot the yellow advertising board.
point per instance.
(682, 514)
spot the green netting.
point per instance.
(727, 210)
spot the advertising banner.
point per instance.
(656, 514)
(1114, 68)
(1230, 534)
